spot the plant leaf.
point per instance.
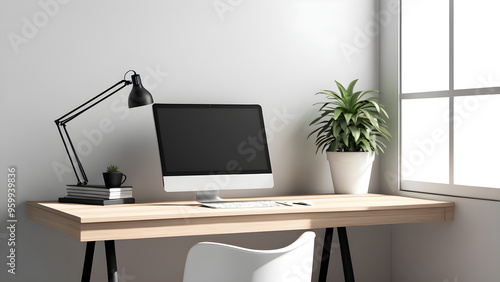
(343, 124)
(341, 88)
(373, 120)
(366, 147)
(345, 138)
(347, 116)
(376, 105)
(337, 112)
(336, 130)
(355, 132)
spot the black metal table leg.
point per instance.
(87, 263)
(325, 256)
(111, 260)
(346, 255)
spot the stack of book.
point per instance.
(98, 195)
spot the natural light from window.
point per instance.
(425, 56)
(425, 140)
(476, 136)
(477, 42)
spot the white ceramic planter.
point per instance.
(351, 171)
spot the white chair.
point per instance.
(214, 262)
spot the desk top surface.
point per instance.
(188, 218)
(329, 203)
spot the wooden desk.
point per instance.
(88, 223)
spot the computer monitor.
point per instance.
(209, 147)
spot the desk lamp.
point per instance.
(139, 96)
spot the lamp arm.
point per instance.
(64, 119)
(81, 177)
(68, 144)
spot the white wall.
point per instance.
(57, 54)
(465, 250)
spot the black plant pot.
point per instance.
(113, 179)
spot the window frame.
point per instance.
(450, 189)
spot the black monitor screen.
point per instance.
(205, 139)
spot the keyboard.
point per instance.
(242, 204)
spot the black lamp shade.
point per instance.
(139, 96)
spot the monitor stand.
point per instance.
(208, 196)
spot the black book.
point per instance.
(113, 195)
(102, 202)
(72, 186)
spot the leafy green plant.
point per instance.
(112, 168)
(348, 123)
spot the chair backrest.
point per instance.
(214, 262)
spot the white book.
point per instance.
(100, 193)
(98, 190)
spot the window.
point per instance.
(449, 97)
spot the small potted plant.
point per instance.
(113, 177)
(348, 129)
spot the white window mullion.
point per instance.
(451, 88)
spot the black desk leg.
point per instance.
(111, 260)
(325, 256)
(346, 255)
(87, 263)
(344, 251)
